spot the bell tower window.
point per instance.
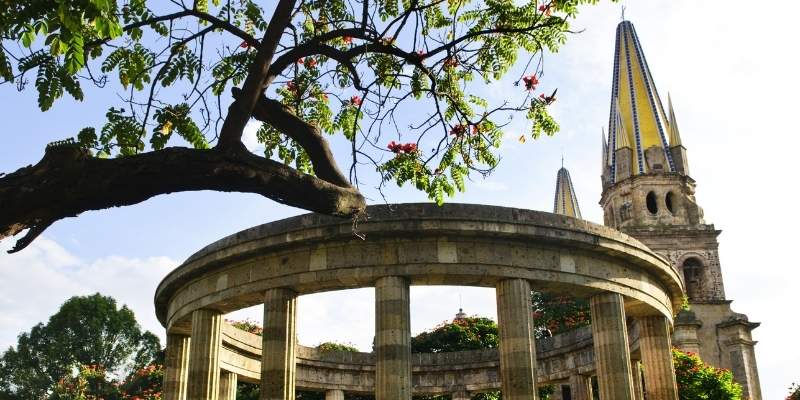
(693, 276)
(652, 206)
(668, 199)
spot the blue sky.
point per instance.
(731, 70)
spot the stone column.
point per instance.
(636, 370)
(581, 387)
(278, 345)
(334, 394)
(460, 395)
(655, 345)
(203, 382)
(517, 345)
(176, 365)
(392, 339)
(227, 385)
(611, 351)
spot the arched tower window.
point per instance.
(669, 200)
(652, 206)
(693, 276)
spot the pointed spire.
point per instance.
(637, 116)
(674, 134)
(621, 139)
(566, 201)
(605, 161)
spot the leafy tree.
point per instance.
(699, 381)
(86, 331)
(470, 333)
(397, 83)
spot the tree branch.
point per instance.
(306, 135)
(239, 112)
(81, 183)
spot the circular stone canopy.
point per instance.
(454, 244)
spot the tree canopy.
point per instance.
(400, 85)
(86, 332)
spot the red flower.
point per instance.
(530, 82)
(355, 100)
(244, 44)
(301, 61)
(311, 63)
(398, 148)
(458, 130)
(347, 40)
(545, 9)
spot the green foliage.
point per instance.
(470, 333)
(699, 381)
(172, 65)
(86, 331)
(334, 346)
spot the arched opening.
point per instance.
(668, 199)
(693, 276)
(652, 206)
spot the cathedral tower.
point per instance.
(648, 194)
(566, 201)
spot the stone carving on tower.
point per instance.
(648, 194)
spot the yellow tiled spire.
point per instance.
(674, 134)
(566, 201)
(637, 116)
(621, 139)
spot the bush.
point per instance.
(699, 381)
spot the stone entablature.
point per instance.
(457, 244)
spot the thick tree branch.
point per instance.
(306, 135)
(257, 78)
(67, 182)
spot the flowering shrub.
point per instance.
(144, 384)
(247, 326)
(91, 382)
(333, 346)
(794, 392)
(556, 314)
(699, 381)
(88, 383)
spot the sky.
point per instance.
(730, 67)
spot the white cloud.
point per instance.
(37, 280)
(249, 137)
